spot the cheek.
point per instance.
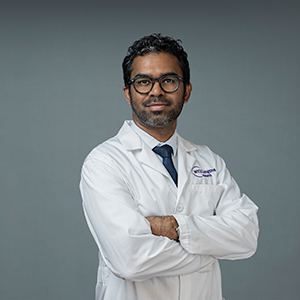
(136, 97)
(180, 98)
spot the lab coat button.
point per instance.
(179, 208)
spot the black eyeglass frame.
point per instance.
(132, 81)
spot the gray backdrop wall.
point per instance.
(61, 95)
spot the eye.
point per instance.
(143, 81)
(169, 80)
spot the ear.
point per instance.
(188, 90)
(127, 93)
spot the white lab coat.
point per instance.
(123, 182)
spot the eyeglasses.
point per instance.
(144, 84)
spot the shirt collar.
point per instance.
(151, 142)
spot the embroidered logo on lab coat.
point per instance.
(198, 172)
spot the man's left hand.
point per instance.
(164, 226)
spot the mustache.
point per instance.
(152, 100)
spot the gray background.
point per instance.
(61, 95)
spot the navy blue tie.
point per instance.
(166, 152)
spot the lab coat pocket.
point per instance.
(205, 198)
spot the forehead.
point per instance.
(155, 65)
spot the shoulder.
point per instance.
(202, 153)
(112, 147)
(195, 149)
(104, 151)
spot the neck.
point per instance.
(162, 134)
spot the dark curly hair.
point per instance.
(156, 43)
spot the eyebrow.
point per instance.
(161, 75)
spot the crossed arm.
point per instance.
(164, 226)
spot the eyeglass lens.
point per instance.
(168, 84)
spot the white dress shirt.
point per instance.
(151, 142)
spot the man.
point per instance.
(162, 216)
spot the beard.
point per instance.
(156, 118)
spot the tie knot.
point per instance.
(164, 151)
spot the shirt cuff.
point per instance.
(182, 230)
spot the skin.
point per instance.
(155, 65)
(157, 113)
(164, 226)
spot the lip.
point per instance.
(157, 106)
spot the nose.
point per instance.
(156, 90)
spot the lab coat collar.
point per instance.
(152, 142)
(131, 141)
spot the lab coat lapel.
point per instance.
(186, 162)
(131, 141)
(148, 157)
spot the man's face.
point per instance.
(156, 108)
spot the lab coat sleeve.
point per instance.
(232, 232)
(123, 235)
